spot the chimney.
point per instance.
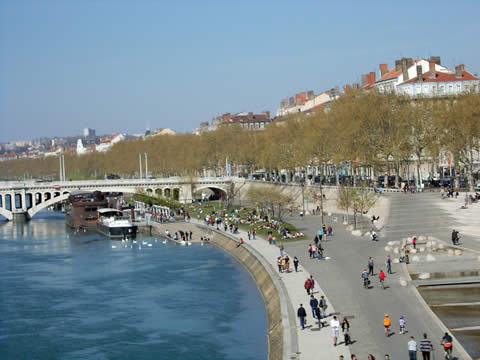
(372, 78)
(364, 80)
(383, 69)
(310, 94)
(431, 65)
(459, 69)
(435, 59)
(267, 113)
(291, 100)
(405, 69)
(398, 65)
(347, 89)
(419, 73)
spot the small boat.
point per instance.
(114, 224)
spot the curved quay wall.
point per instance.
(281, 326)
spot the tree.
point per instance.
(269, 200)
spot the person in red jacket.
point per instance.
(382, 277)
(308, 285)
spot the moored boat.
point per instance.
(114, 224)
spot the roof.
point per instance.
(443, 77)
(109, 210)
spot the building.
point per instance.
(107, 142)
(246, 120)
(306, 102)
(405, 69)
(87, 132)
(433, 83)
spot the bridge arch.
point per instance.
(61, 197)
(213, 192)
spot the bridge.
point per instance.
(22, 200)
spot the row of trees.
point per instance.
(363, 129)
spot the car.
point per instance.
(113, 177)
(477, 187)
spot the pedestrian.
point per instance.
(370, 266)
(191, 235)
(414, 242)
(447, 343)
(389, 264)
(371, 357)
(426, 347)
(315, 240)
(382, 277)
(240, 242)
(312, 283)
(402, 325)
(318, 315)
(323, 306)
(324, 230)
(330, 230)
(310, 250)
(335, 325)
(302, 314)
(254, 232)
(308, 285)
(320, 234)
(320, 252)
(295, 263)
(281, 249)
(412, 349)
(313, 304)
(346, 331)
(279, 264)
(249, 234)
(287, 264)
(386, 324)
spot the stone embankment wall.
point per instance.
(266, 287)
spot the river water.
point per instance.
(73, 296)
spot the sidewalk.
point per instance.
(312, 343)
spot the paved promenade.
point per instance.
(312, 343)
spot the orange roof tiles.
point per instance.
(443, 77)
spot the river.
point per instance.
(83, 296)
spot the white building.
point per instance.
(107, 143)
(87, 132)
(306, 102)
(406, 69)
(435, 83)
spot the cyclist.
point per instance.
(365, 278)
(386, 324)
(447, 343)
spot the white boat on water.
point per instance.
(113, 223)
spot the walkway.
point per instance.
(340, 278)
(313, 344)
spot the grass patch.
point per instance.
(200, 210)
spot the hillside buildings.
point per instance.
(246, 120)
(307, 102)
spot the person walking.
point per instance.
(412, 349)
(312, 282)
(279, 264)
(322, 304)
(254, 232)
(388, 262)
(402, 325)
(315, 240)
(370, 266)
(426, 347)
(365, 278)
(313, 304)
(318, 315)
(382, 278)
(346, 331)
(295, 263)
(302, 314)
(335, 325)
(308, 285)
(386, 324)
(414, 242)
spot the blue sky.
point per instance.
(124, 65)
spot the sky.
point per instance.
(125, 66)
